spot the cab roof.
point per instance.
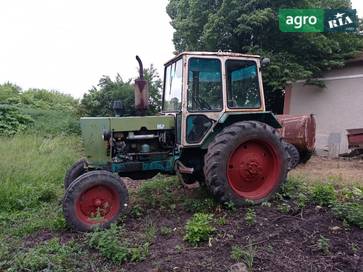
(217, 54)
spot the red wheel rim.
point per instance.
(253, 170)
(98, 204)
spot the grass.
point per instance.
(33, 168)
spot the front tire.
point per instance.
(94, 200)
(246, 162)
(76, 170)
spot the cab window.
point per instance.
(204, 85)
(243, 89)
(173, 87)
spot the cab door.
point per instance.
(202, 98)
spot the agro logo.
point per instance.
(341, 20)
(318, 20)
(301, 20)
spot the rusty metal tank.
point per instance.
(299, 130)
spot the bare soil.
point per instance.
(283, 242)
(341, 171)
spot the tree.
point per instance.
(98, 101)
(251, 26)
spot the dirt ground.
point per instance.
(341, 171)
(308, 239)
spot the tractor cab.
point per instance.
(203, 89)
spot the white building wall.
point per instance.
(337, 107)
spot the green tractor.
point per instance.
(213, 129)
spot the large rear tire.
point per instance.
(94, 200)
(246, 162)
(76, 170)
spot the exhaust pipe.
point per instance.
(141, 91)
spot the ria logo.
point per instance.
(318, 20)
(342, 20)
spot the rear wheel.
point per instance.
(294, 155)
(245, 162)
(76, 170)
(95, 199)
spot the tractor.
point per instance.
(213, 129)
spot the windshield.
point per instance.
(204, 85)
(173, 86)
(243, 89)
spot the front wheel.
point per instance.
(94, 200)
(246, 162)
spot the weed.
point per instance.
(199, 228)
(166, 231)
(199, 205)
(50, 256)
(222, 220)
(150, 231)
(354, 247)
(236, 253)
(266, 204)
(324, 194)
(158, 192)
(230, 206)
(323, 244)
(284, 208)
(136, 211)
(246, 254)
(350, 212)
(108, 243)
(250, 217)
(301, 200)
(292, 187)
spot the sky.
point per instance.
(68, 45)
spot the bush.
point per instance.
(12, 120)
(324, 194)
(108, 243)
(199, 228)
(350, 212)
(158, 192)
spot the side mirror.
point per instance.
(265, 62)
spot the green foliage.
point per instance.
(284, 207)
(49, 122)
(13, 121)
(166, 231)
(98, 101)
(351, 212)
(200, 202)
(112, 245)
(50, 256)
(37, 98)
(33, 170)
(158, 192)
(250, 26)
(199, 228)
(323, 244)
(324, 194)
(250, 216)
(245, 254)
